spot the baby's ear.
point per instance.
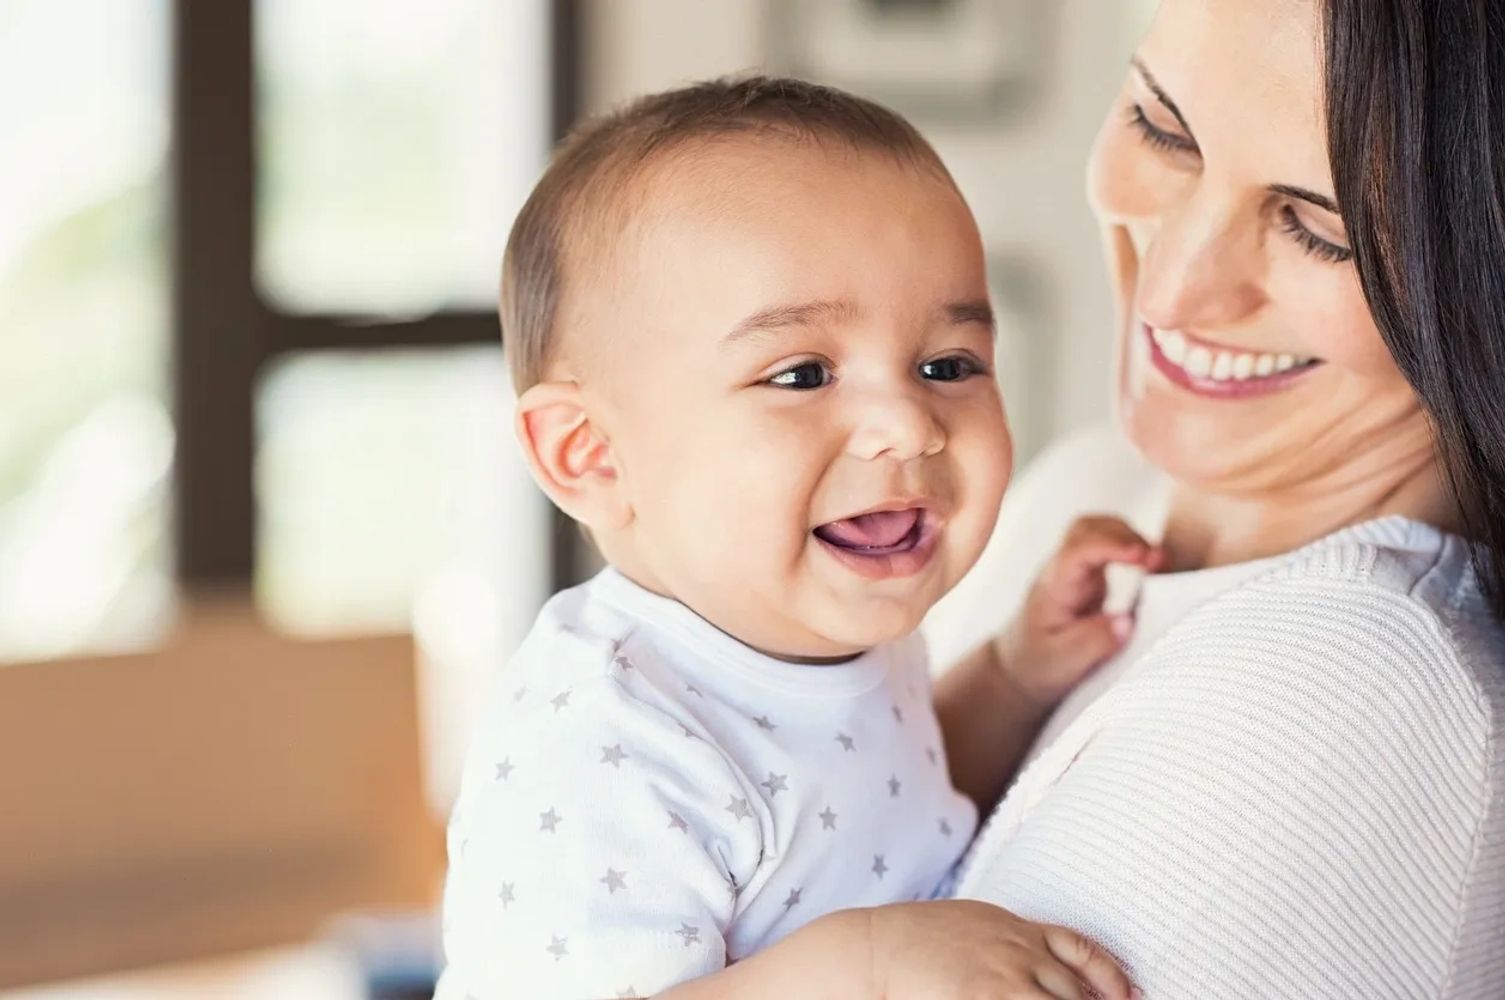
(570, 455)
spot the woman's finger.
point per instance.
(1093, 965)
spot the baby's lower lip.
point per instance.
(1222, 374)
(905, 558)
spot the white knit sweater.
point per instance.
(1298, 790)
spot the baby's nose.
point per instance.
(897, 426)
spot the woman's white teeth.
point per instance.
(1221, 366)
(1199, 362)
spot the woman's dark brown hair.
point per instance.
(1415, 101)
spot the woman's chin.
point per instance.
(1189, 447)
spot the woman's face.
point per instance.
(1249, 363)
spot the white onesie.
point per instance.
(648, 800)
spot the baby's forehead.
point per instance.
(704, 182)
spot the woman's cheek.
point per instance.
(1123, 182)
(1330, 308)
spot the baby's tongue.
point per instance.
(872, 531)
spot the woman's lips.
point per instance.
(1221, 373)
(882, 545)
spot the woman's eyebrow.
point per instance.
(1160, 94)
(1320, 200)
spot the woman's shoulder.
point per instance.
(1382, 625)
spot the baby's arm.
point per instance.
(592, 852)
(992, 703)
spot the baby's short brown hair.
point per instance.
(584, 184)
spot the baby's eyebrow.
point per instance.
(975, 311)
(780, 317)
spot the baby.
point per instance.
(749, 326)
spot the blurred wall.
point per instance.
(1022, 171)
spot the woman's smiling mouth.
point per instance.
(1221, 372)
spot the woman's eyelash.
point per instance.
(1158, 137)
(1310, 241)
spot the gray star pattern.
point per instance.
(893, 786)
(677, 822)
(614, 756)
(763, 723)
(504, 769)
(519, 694)
(557, 947)
(930, 754)
(560, 700)
(775, 784)
(847, 743)
(739, 808)
(945, 828)
(549, 820)
(898, 714)
(690, 935)
(879, 868)
(623, 662)
(614, 880)
(793, 899)
(506, 895)
(692, 689)
(827, 819)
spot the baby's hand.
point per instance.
(963, 949)
(1063, 632)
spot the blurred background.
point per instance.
(264, 534)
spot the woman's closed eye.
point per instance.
(1309, 241)
(1173, 142)
(1164, 139)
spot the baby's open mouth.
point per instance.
(880, 533)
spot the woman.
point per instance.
(1292, 783)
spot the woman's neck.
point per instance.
(1206, 528)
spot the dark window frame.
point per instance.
(224, 334)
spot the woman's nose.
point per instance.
(900, 425)
(1203, 265)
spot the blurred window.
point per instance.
(396, 140)
(86, 439)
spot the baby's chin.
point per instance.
(856, 626)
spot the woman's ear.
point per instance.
(570, 455)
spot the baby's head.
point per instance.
(749, 325)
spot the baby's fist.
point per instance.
(1063, 632)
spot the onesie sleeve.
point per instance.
(596, 850)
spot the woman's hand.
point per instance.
(964, 950)
(1062, 632)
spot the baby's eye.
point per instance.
(806, 375)
(952, 369)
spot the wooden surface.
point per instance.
(306, 972)
(230, 791)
